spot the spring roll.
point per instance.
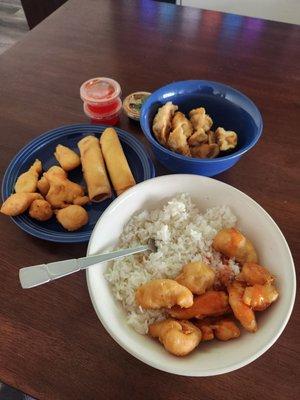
(115, 160)
(93, 169)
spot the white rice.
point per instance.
(182, 234)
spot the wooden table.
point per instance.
(52, 344)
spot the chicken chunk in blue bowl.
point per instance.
(200, 127)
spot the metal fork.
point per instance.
(43, 273)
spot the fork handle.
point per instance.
(43, 273)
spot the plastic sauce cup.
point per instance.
(101, 97)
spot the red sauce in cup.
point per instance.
(101, 97)
(104, 109)
(106, 119)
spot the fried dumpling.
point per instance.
(162, 122)
(226, 139)
(198, 138)
(180, 121)
(200, 120)
(205, 150)
(178, 142)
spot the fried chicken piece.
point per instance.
(226, 329)
(62, 191)
(17, 203)
(162, 122)
(200, 120)
(57, 171)
(177, 142)
(222, 328)
(211, 303)
(43, 186)
(27, 182)
(205, 150)
(197, 138)
(225, 276)
(232, 243)
(66, 157)
(259, 297)
(206, 329)
(253, 273)
(226, 139)
(180, 121)
(72, 217)
(196, 276)
(241, 311)
(163, 293)
(178, 337)
(41, 210)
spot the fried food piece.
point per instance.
(254, 274)
(211, 303)
(178, 337)
(41, 210)
(205, 150)
(27, 182)
(222, 328)
(72, 217)
(196, 276)
(163, 293)
(62, 191)
(225, 276)
(226, 329)
(162, 122)
(177, 142)
(43, 186)
(206, 329)
(116, 162)
(200, 120)
(226, 139)
(241, 311)
(17, 203)
(197, 138)
(260, 297)
(211, 137)
(93, 169)
(66, 157)
(57, 171)
(81, 201)
(180, 121)
(233, 243)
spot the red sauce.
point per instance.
(104, 108)
(113, 120)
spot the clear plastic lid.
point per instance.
(100, 90)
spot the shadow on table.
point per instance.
(9, 393)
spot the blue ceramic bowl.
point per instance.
(228, 108)
(43, 148)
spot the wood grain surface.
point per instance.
(52, 344)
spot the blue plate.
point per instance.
(43, 148)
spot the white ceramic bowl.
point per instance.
(211, 358)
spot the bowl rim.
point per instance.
(148, 134)
(168, 368)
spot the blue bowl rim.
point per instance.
(65, 237)
(218, 85)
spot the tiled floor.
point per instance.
(13, 23)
